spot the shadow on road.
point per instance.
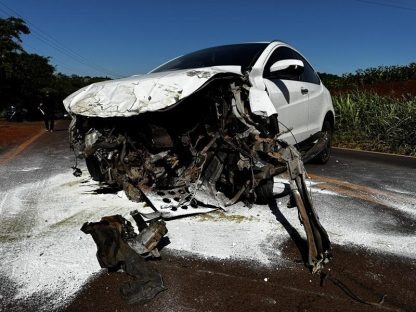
(104, 189)
(293, 233)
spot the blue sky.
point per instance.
(131, 37)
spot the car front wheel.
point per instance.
(94, 168)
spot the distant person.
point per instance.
(47, 109)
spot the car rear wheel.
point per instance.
(323, 157)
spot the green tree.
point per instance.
(10, 30)
(10, 50)
(22, 75)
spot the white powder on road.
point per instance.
(27, 169)
(43, 250)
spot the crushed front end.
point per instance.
(208, 150)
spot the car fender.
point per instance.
(260, 103)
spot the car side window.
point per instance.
(308, 75)
(281, 53)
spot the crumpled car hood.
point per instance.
(142, 93)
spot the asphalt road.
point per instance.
(240, 260)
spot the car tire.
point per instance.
(94, 168)
(264, 191)
(323, 157)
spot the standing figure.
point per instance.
(47, 109)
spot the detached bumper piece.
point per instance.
(119, 247)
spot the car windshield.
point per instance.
(243, 55)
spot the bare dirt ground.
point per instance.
(14, 133)
(394, 89)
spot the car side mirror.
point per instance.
(287, 69)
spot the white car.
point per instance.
(208, 129)
(280, 79)
(270, 84)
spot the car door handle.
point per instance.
(304, 90)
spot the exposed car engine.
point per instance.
(207, 150)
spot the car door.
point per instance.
(289, 96)
(315, 92)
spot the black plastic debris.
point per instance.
(113, 236)
(77, 172)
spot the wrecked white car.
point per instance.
(208, 129)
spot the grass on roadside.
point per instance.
(370, 121)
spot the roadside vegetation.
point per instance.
(369, 121)
(24, 77)
(370, 76)
(375, 109)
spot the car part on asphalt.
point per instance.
(120, 247)
(318, 242)
(190, 141)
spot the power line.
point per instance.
(68, 54)
(387, 5)
(62, 51)
(64, 66)
(57, 61)
(58, 46)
